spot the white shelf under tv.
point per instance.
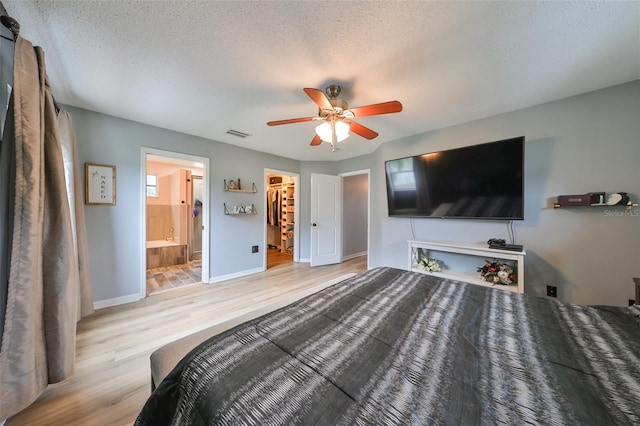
(474, 253)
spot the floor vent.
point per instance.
(237, 133)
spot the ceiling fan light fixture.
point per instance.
(337, 118)
(324, 131)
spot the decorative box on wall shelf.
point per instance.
(240, 210)
(595, 199)
(236, 186)
(460, 261)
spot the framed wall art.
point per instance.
(100, 184)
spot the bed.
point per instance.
(395, 347)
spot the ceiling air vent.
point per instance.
(237, 133)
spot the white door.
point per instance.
(326, 223)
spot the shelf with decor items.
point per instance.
(287, 215)
(468, 263)
(236, 186)
(240, 210)
(595, 199)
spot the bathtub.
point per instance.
(161, 253)
(161, 243)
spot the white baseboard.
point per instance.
(115, 301)
(235, 275)
(351, 256)
(135, 297)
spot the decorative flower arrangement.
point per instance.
(497, 273)
(430, 265)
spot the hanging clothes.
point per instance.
(273, 229)
(48, 287)
(274, 206)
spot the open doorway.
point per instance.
(355, 214)
(281, 229)
(174, 216)
(340, 215)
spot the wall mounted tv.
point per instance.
(484, 181)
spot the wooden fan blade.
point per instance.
(359, 129)
(316, 141)
(377, 109)
(319, 98)
(289, 121)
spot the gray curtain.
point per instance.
(48, 283)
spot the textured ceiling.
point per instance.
(204, 67)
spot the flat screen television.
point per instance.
(484, 181)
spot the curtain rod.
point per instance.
(12, 25)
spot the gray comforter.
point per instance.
(395, 347)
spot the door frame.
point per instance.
(296, 213)
(144, 151)
(368, 173)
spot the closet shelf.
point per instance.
(287, 214)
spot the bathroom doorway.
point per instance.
(175, 218)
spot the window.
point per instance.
(152, 186)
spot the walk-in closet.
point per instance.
(280, 218)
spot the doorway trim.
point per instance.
(296, 213)
(368, 173)
(144, 151)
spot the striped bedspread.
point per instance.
(400, 348)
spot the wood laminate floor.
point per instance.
(275, 257)
(112, 378)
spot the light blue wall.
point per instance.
(114, 232)
(581, 144)
(355, 190)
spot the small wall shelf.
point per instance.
(627, 206)
(240, 210)
(457, 267)
(229, 188)
(595, 199)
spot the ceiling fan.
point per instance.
(337, 118)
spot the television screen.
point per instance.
(483, 181)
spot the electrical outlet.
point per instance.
(552, 291)
(254, 249)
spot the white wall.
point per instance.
(577, 145)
